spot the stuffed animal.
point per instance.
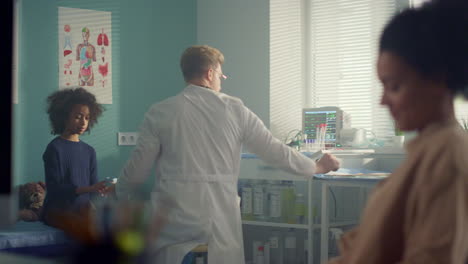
(31, 198)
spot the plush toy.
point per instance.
(31, 198)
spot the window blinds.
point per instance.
(323, 53)
(286, 66)
(343, 51)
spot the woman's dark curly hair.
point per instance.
(60, 104)
(433, 39)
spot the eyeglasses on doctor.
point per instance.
(221, 75)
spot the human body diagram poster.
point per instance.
(85, 51)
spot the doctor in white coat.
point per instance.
(194, 140)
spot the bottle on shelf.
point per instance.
(266, 252)
(260, 201)
(276, 247)
(300, 209)
(288, 202)
(246, 201)
(306, 251)
(336, 234)
(290, 252)
(305, 146)
(315, 214)
(260, 259)
(274, 201)
(255, 246)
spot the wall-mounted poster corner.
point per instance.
(85, 51)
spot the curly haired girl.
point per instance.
(70, 164)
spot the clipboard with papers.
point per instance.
(348, 173)
(371, 175)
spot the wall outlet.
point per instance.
(127, 138)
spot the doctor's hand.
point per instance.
(327, 163)
(109, 190)
(95, 188)
(98, 187)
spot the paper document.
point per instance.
(354, 173)
(316, 155)
(362, 175)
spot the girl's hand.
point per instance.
(98, 187)
(95, 188)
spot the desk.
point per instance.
(362, 179)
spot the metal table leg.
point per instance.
(324, 225)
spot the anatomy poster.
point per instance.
(85, 51)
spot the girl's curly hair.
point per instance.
(60, 104)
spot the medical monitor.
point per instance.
(331, 117)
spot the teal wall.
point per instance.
(147, 37)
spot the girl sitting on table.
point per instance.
(70, 164)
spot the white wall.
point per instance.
(240, 30)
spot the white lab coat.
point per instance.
(194, 140)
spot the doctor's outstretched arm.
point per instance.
(259, 140)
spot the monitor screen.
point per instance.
(328, 117)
